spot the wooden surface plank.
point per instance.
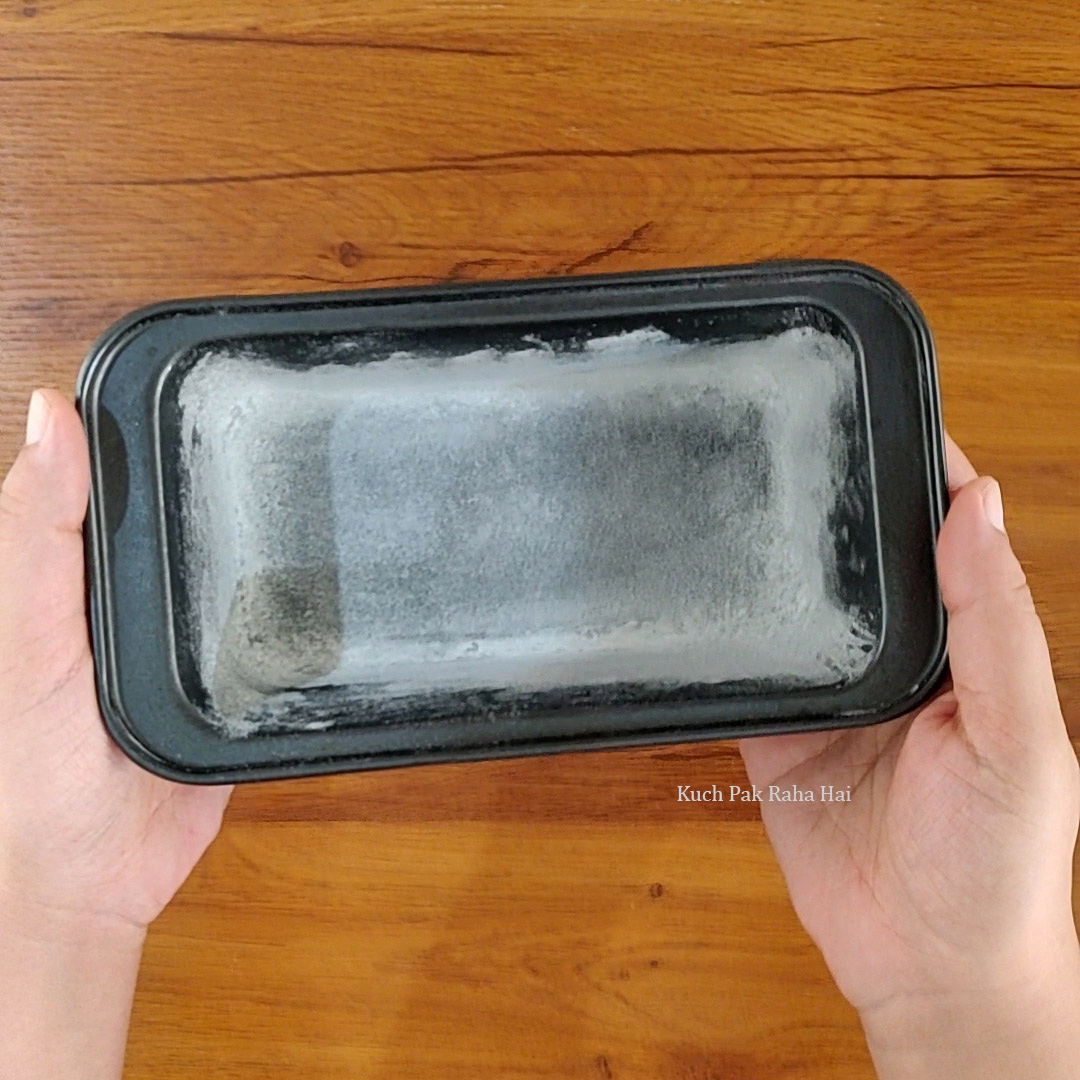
(503, 919)
(493, 952)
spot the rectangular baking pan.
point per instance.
(345, 531)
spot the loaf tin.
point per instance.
(400, 526)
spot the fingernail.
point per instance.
(37, 418)
(992, 505)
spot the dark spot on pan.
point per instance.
(656, 890)
(284, 627)
(112, 457)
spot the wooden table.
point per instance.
(563, 917)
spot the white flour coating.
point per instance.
(640, 510)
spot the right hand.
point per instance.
(940, 895)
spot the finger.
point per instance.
(767, 757)
(959, 468)
(1000, 664)
(42, 506)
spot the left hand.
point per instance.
(87, 838)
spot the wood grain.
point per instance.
(553, 917)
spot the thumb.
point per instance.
(42, 506)
(1002, 678)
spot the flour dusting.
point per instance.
(635, 509)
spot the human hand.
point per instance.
(940, 895)
(91, 846)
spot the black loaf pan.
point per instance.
(391, 527)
